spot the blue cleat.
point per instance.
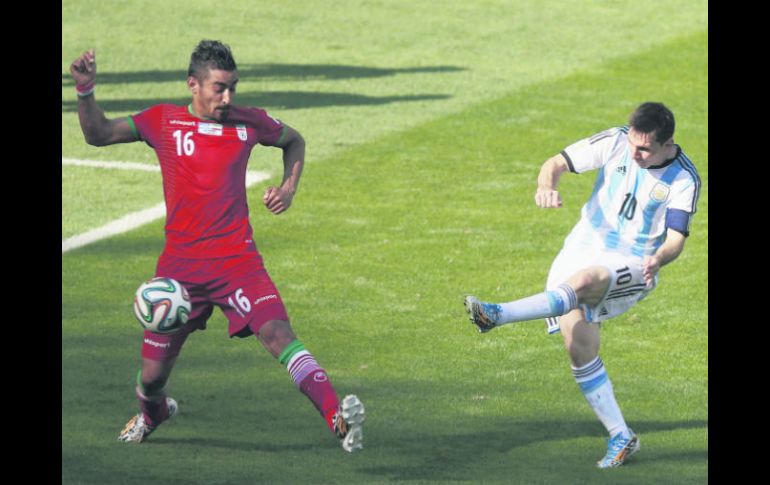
(483, 315)
(619, 448)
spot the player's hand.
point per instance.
(83, 69)
(546, 198)
(277, 200)
(650, 268)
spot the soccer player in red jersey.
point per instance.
(203, 149)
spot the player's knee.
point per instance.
(581, 339)
(151, 387)
(590, 284)
(275, 335)
(153, 376)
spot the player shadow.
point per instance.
(279, 72)
(446, 456)
(271, 99)
(268, 99)
(230, 444)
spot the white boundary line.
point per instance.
(117, 165)
(134, 219)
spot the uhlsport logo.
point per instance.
(265, 298)
(180, 122)
(157, 344)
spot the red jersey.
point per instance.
(203, 163)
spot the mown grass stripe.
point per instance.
(134, 219)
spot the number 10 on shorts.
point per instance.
(241, 304)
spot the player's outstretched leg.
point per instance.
(137, 429)
(348, 423)
(550, 303)
(483, 315)
(344, 419)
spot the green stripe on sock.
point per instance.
(289, 351)
(139, 382)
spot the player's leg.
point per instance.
(343, 419)
(580, 329)
(581, 339)
(151, 391)
(159, 354)
(586, 287)
(279, 339)
(252, 305)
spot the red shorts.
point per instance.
(239, 285)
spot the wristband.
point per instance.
(85, 89)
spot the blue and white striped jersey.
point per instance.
(631, 207)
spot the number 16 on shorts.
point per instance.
(241, 303)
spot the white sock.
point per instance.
(552, 303)
(597, 388)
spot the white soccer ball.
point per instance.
(162, 305)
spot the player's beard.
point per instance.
(221, 114)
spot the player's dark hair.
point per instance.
(210, 54)
(653, 117)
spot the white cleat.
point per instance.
(136, 431)
(348, 423)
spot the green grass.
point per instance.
(387, 233)
(347, 74)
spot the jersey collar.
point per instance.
(190, 110)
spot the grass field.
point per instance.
(426, 128)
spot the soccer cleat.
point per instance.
(618, 450)
(483, 315)
(348, 423)
(137, 431)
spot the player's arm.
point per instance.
(97, 129)
(670, 249)
(550, 173)
(278, 199)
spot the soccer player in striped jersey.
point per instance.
(203, 150)
(634, 223)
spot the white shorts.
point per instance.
(627, 286)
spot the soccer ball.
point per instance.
(162, 305)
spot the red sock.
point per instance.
(154, 408)
(311, 379)
(317, 387)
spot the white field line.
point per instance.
(134, 219)
(117, 165)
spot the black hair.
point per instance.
(653, 117)
(210, 54)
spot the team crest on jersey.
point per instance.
(214, 129)
(241, 129)
(659, 193)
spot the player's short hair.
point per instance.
(210, 54)
(653, 117)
